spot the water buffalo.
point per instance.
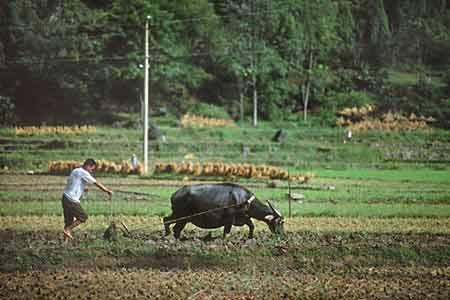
(217, 205)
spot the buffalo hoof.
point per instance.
(209, 238)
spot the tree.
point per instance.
(241, 52)
(46, 85)
(253, 50)
(379, 33)
(313, 35)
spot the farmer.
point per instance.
(74, 214)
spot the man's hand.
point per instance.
(104, 188)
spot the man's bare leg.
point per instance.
(67, 236)
(68, 229)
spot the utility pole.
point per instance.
(146, 66)
(254, 65)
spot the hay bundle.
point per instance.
(226, 170)
(33, 130)
(199, 121)
(123, 167)
(361, 119)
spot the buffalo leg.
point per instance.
(226, 229)
(251, 227)
(178, 228)
(166, 224)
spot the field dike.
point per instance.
(351, 258)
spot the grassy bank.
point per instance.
(302, 148)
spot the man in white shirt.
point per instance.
(74, 214)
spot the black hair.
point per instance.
(89, 162)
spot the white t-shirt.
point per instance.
(76, 182)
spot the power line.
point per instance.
(279, 9)
(157, 57)
(136, 60)
(66, 60)
(271, 11)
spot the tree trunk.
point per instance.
(306, 100)
(141, 119)
(421, 7)
(306, 87)
(241, 103)
(393, 11)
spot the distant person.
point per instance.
(74, 214)
(134, 161)
(348, 136)
(245, 151)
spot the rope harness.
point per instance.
(137, 193)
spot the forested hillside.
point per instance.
(80, 61)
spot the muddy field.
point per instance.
(376, 256)
(320, 258)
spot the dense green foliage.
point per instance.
(79, 61)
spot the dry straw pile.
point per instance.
(227, 170)
(359, 119)
(199, 121)
(33, 130)
(123, 167)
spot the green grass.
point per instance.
(403, 78)
(368, 180)
(349, 192)
(155, 208)
(423, 175)
(408, 78)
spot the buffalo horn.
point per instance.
(276, 212)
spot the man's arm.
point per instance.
(103, 188)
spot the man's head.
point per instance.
(89, 165)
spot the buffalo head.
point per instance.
(275, 220)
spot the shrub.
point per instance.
(209, 111)
(350, 99)
(421, 99)
(335, 101)
(446, 79)
(7, 116)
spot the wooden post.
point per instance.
(290, 197)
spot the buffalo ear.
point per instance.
(269, 217)
(275, 211)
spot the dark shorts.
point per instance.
(72, 210)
